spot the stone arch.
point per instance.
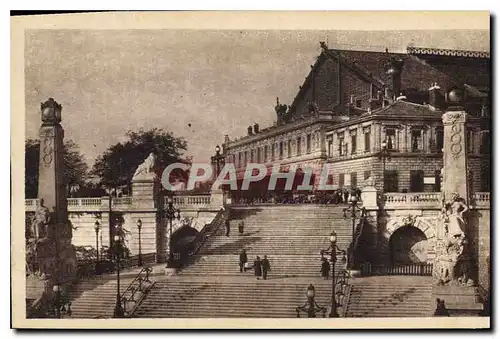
(422, 224)
(408, 245)
(184, 240)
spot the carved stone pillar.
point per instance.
(455, 156)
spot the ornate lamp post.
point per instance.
(310, 307)
(353, 209)
(97, 227)
(217, 160)
(117, 248)
(171, 213)
(139, 227)
(59, 304)
(384, 155)
(333, 251)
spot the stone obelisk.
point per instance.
(55, 254)
(454, 153)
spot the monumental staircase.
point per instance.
(391, 296)
(291, 236)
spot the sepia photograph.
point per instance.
(251, 176)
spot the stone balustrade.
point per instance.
(481, 199)
(392, 200)
(192, 201)
(85, 204)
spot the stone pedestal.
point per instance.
(217, 199)
(369, 198)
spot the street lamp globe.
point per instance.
(139, 223)
(170, 200)
(117, 238)
(217, 149)
(333, 237)
(97, 225)
(353, 199)
(55, 288)
(310, 293)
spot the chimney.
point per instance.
(435, 96)
(250, 130)
(256, 128)
(393, 71)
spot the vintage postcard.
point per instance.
(251, 170)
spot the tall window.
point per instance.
(341, 179)
(299, 141)
(417, 181)
(353, 143)
(240, 159)
(289, 148)
(342, 146)
(330, 148)
(367, 141)
(390, 134)
(485, 142)
(485, 178)
(252, 153)
(273, 151)
(439, 139)
(246, 157)
(308, 143)
(266, 149)
(281, 149)
(258, 155)
(390, 181)
(437, 180)
(416, 140)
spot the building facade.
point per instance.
(374, 115)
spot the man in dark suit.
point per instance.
(243, 260)
(266, 266)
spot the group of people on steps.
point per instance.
(260, 267)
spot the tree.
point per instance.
(75, 167)
(116, 166)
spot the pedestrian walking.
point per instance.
(241, 227)
(266, 267)
(346, 196)
(257, 267)
(228, 227)
(325, 268)
(243, 261)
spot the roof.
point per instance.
(447, 52)
(402, 107)
(418, 73)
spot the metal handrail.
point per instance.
(141, 284)
(209, 230)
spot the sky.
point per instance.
(200, 85)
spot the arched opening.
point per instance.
(184, 242)
(408, 245)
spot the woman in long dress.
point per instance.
(456, 223)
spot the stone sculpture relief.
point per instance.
(452, 264)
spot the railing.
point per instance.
(410, 199)
(121, 201)
(418, 269)
(209, 230)
(197, 201)
(136, 291)
(342, 291)
(481, 199)
(84, 202)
